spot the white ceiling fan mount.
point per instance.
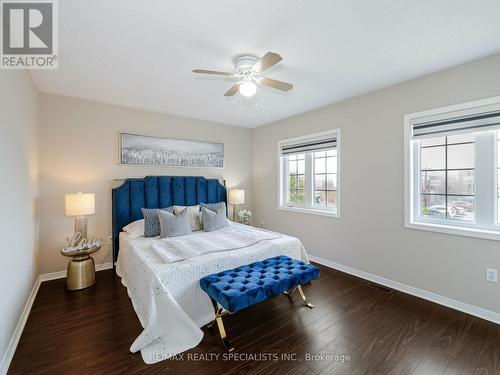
(244, 63)
(247, 71)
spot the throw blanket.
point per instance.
(175, 249)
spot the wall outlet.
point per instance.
(110, 240)
(492, 275)
(262, 224)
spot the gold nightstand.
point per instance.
(81, 269)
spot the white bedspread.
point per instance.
(165, 290)
(175, 249)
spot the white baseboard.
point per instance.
(424, 294)
(104, 266)
(52, 276)
(62, 274)
(14, 340)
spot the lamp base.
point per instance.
(81, 226)
(235, 210)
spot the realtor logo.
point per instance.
(29, 34)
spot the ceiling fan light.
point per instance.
(248, 89)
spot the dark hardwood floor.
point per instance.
(375, 331)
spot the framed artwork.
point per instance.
(148, 150)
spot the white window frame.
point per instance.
(282, 204)
(492, 232)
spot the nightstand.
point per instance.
(81, 269)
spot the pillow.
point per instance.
(193, 213)
(152, 222)
(174, 225)
(213, 220)
(135, 229)
(213, 206)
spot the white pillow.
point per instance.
(194, 215)
(135, 229)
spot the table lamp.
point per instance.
(80, 205)
(236, 197)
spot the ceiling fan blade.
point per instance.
(233, 90)
(275, 84)
(268, 60)
(203, 71)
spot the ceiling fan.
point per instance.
(248, 71)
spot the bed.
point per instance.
(162, 275)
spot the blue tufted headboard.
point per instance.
(159, 192)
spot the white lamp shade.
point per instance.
(236, 196)
(80, 204)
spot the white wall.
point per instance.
(18, 198)
(79, 152)
(370, 235)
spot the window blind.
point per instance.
(315, 145)
(456, 125)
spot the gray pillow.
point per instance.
(213, 206)
(213, 220)
(174, 225)
(152, 222)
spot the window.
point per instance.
(498, 175)
(325, 179)
(309, 173)
(452, 169)
(296, 179)
(447, 176)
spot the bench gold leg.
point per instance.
(303, 296)
(222, 333)
(220, 326)
(288, 293)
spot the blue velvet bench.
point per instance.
(248, 285)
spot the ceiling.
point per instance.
(141, 53)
